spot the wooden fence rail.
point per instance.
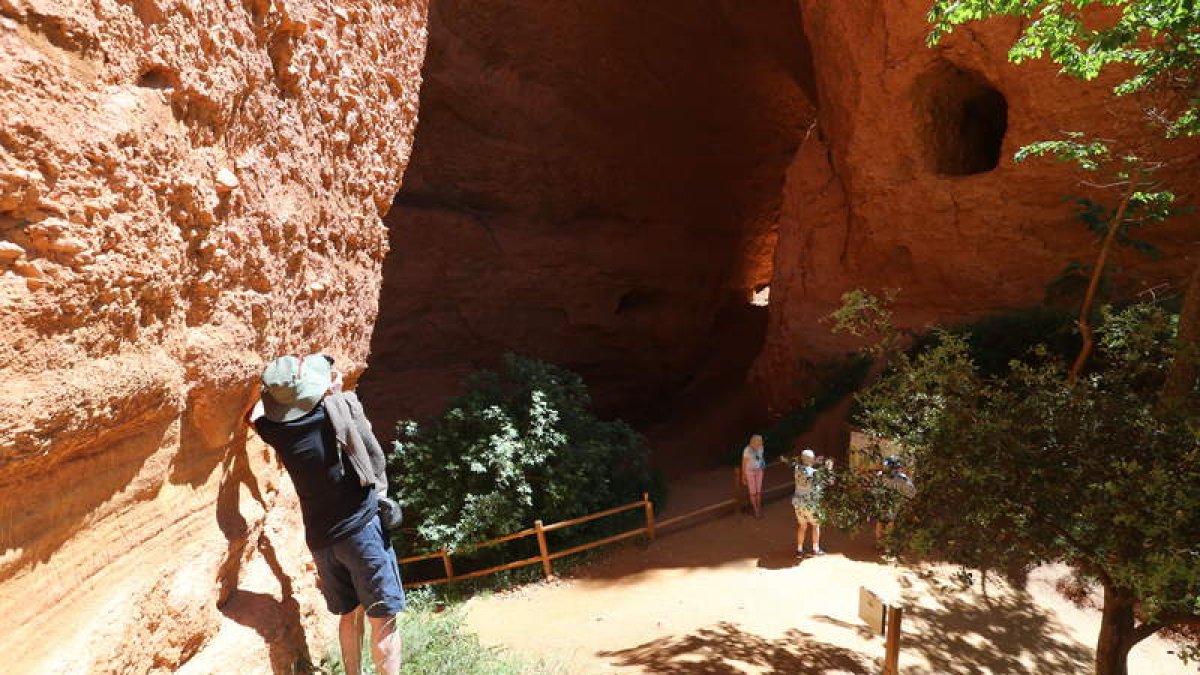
(546, 557)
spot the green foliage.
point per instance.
(854, 498)
(995, 340)
(868, 316)
(819, 485)
(1018, 468)
(520, 445)
(1090, 155)
(1146, 205)
(1158, 40)
(437, 643)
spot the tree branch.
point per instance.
(1085, 325)
(1162, 621)
(1146, 630)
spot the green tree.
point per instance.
(1156, 43)
(522, 444)
(1158, 40)
(1136, 398)
(1020, 468)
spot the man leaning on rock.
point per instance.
(327, 447)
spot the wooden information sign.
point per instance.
(872, 609)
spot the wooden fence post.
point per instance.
(547, 566)
(446, 564)
(649, 515)
(891, 654)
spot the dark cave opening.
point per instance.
(592, 186)
(964, 121)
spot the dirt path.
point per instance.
(727, 597)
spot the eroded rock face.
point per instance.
(186, 188)
(598, 184)
(593, 183)
(908, 182)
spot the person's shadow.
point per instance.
(276, 621)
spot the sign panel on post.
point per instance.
(871, 609)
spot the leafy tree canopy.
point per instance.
(1159, 39)
(1019, 468)
(522, 444)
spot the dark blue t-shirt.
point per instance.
(333, 501)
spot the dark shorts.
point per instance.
(361, 570)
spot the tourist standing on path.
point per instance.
(895, 478)
(327, 447)
(806, 501)
(754, 463)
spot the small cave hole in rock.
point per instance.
(640, 300)
(964, 121)
(158, 78)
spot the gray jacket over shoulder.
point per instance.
(356, 439)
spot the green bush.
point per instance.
(522, 444)
(995, 340)
(437, 643)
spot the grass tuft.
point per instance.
(436, 642)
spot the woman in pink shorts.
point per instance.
(753, 465)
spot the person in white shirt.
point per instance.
(895, 477)
(754, 463)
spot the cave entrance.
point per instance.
(964, 119)
(610, 215)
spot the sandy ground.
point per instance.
(727, 596)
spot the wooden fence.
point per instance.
(547, 557)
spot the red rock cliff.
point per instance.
(907, 182)
(185, 188)
(592, 184)
(603, 184)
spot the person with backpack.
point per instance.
(806, 501)
(895, 479)
(327, 446)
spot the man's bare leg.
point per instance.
(816, 538)
(386, 644)
(350, 635)
(801, 530)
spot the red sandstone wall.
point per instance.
(865, 206)
(186, 188)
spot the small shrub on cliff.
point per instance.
(520, 445)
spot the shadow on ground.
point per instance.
(768, 543)
(726, 649)
(1004, 633)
